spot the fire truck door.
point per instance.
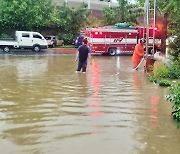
(120, 41)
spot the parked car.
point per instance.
(24, 40)
(53, 41)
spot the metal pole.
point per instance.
(154, 25)
(89, 4)
(145, 11)
(109, 3)
(147, 27)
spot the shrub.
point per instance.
(151, 78)
(175, 49)
(164, 83)
(161, 70)
(174, 98)
(174, 71)
(67, 38)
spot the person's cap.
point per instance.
(143, 40)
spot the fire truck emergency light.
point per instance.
(96, 33)
(155, 28)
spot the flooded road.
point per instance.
(47, 108)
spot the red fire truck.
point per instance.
(112, 41)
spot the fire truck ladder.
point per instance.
(149, 19)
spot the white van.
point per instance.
(24, 40)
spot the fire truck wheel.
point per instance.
(112, 51)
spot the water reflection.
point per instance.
(137, 81)
(154, 111)
(32, 69)
(95, 104)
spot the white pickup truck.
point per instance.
(24, 40)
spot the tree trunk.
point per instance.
(164, 33)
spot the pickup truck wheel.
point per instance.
(6, 49)
(112, 51)
(36, 48)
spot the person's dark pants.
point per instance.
(81, 66)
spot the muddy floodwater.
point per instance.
(47, 108)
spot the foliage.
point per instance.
(67, 38)
(164, 83)
(175, 49)
(151, 78)
(174, 98)
(174, 71)
(24, 15)
(161, 4)
(94, 22)
(161, 70)
(71, 20)
(110, 15)
(125, 12)
(174, 8)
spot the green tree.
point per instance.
(174, 24)
(72, 20)
(125, 12)
(25, 14)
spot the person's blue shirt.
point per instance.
(83, 53)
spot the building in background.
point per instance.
(96, 6)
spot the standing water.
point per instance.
(47, 108)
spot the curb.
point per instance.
(65, 50)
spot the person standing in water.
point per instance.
(138, 53)
(82, 55)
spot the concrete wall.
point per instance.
(96, 6)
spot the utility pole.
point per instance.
(89, 4)
(150, 13)
(146, 7)
(154, 23)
